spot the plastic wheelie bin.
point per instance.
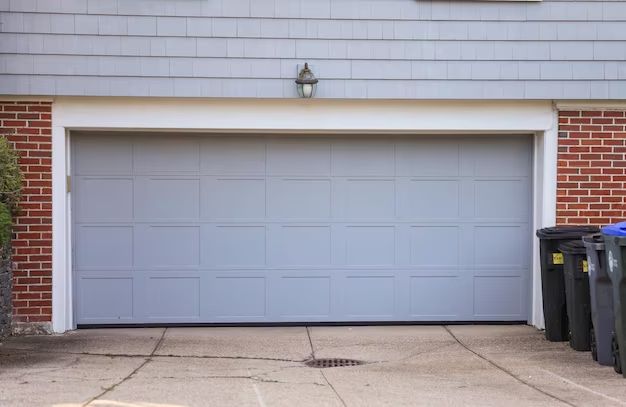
(575, 269)
(552, 285)
(601, 295)
(615, 243)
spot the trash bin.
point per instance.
(575, 270)
(552, 285)
(615, 244)
(601, 295)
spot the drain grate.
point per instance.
(324, 363)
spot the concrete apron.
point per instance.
(405, 365)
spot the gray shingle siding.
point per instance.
(358, 48)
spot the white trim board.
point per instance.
(295, 116)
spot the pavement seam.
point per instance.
(505, 370)
(308, 334)
(333, 389)
(129, 376)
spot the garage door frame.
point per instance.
(295, 116)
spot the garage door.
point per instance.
(179, 228)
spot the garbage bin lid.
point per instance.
(618, 229)
(595, 241)
(573, 247)
(566, 232)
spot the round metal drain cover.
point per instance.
(332, 362)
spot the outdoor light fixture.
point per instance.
(306, 82)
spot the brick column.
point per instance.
(591, 172)
(28, 126)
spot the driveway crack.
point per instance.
(308, 334)
(505, 370)
(333, 389)
(131, 374)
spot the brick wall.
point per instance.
(28, 126)
(591, 170)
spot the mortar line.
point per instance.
(504, 370)
(129, 376)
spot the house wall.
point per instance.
(27, 124)
(396, 49)
(591, 173)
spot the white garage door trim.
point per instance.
(294, 116)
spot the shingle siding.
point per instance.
(359, 48)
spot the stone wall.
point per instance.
(5, 293)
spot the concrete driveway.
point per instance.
(404, 365)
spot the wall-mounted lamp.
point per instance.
(306, 82)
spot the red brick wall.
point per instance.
(591, 170)
(28, 126)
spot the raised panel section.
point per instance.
(435, 297)
(298, 297)
(242, 297)
(92, 201)
(503, 199)
(501, 157)
(430, 199)
(427, 158)
(167, 198)
(498, 297)
(299, 198)
(365, 198)
(300, 245)
(101, 155)
(233, 155)
(171, 154)
(298, 157)
(370, 245)
(434, 246)
(104, 247)
(168, 246)
(234, 198)
(365, 158)
(108, 299)
(498, 246)
(231, 245)
(370, 297)
(176, 298)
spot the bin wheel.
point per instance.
(594, 345)
(617, 362)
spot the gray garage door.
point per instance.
(179, 228)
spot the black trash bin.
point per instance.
(615, 243)
(601, 294)
(575, 270)
(552, 285)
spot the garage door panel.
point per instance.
(232, 156)
(167, 154)
(105, 299)
(299, 198)
(300, 245)
(90, 205)
(298, 228)
(167, 198)
(364, 198)
(430, 157)
(104, 247)
(429, 199)
(163, 246)
(103, 155)
(221, 245)
(502, 199)
(237, 297)
(436, 297)
(293, 157)
(366, 158)
(434, 245)
(233, 198)
(297, 297)
(499, 296)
